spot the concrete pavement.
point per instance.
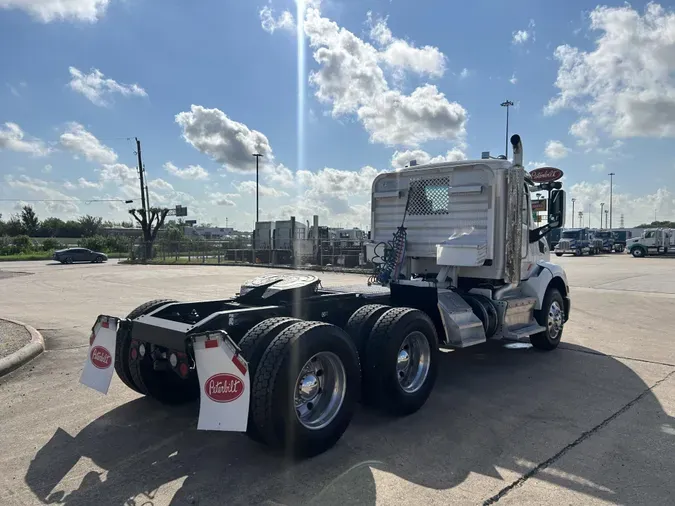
(591, 423)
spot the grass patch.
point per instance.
(45, 255)
(38, 255)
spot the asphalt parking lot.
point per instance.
(590, 423)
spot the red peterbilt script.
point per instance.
(224, 387)
(100, 357)
(546, 174)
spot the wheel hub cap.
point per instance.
(555, 320)
(403, 361)
(320, 390)
(413, 360)
(309, 387)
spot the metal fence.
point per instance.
(336, 255)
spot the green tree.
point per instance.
(51, 227)
(50, 244)
(23, 243)
(14, 226)
(96, 243)
(90, 225)
(29, 220)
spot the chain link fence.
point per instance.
(330, 255)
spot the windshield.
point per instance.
(603, 235)
(649, 234)
(569, 234)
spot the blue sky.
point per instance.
(204, 84)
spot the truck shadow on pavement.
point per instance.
(495, 415)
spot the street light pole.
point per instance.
(257, 186)
(611, 189)
(507, 104)
(573, 201)
(606, 214)
(602, 205)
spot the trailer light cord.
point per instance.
(391, 259)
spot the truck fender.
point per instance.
(546, 274)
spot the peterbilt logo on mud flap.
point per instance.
(100, 357)
(224, 387)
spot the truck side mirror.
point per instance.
(556, 209)
(556, 215)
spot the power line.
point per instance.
(126, 201)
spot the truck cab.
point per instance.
(459, 238)
(576, 241)
(605, 240)
(653, 241)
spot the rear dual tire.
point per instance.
(138, 373)
(401, 361)
(305, 389)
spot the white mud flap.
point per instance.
(224, 383)
(98, 369)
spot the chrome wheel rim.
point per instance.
(555, 320)
(412, 362)
(320, 390)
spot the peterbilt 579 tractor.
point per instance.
(459, 262)
(576, 241)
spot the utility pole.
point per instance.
(150, 220)
(611, 189)
(573, 201)
(589, 215)
(606, 214)
(602, 204)
(507, 104)
(257, 186)
(141, 170)
(581, 219)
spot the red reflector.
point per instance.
(183, 369)
(239, 364)
(134, 353)
(105, 324)
(211, 343)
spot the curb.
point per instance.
(25, 354)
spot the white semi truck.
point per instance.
(653, 241)
(459, 262)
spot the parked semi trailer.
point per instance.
(286, 360)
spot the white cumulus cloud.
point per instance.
(53, 10)
(556, 150)
(223, 199)
(98, 89)
(82, 142)
(194, 172)
(624, 86)
(13, 138)
(226, 141)
(249, 187)
(402, 158)
(84, 183)
(270, 24)
(401, 54)
(351, 79)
